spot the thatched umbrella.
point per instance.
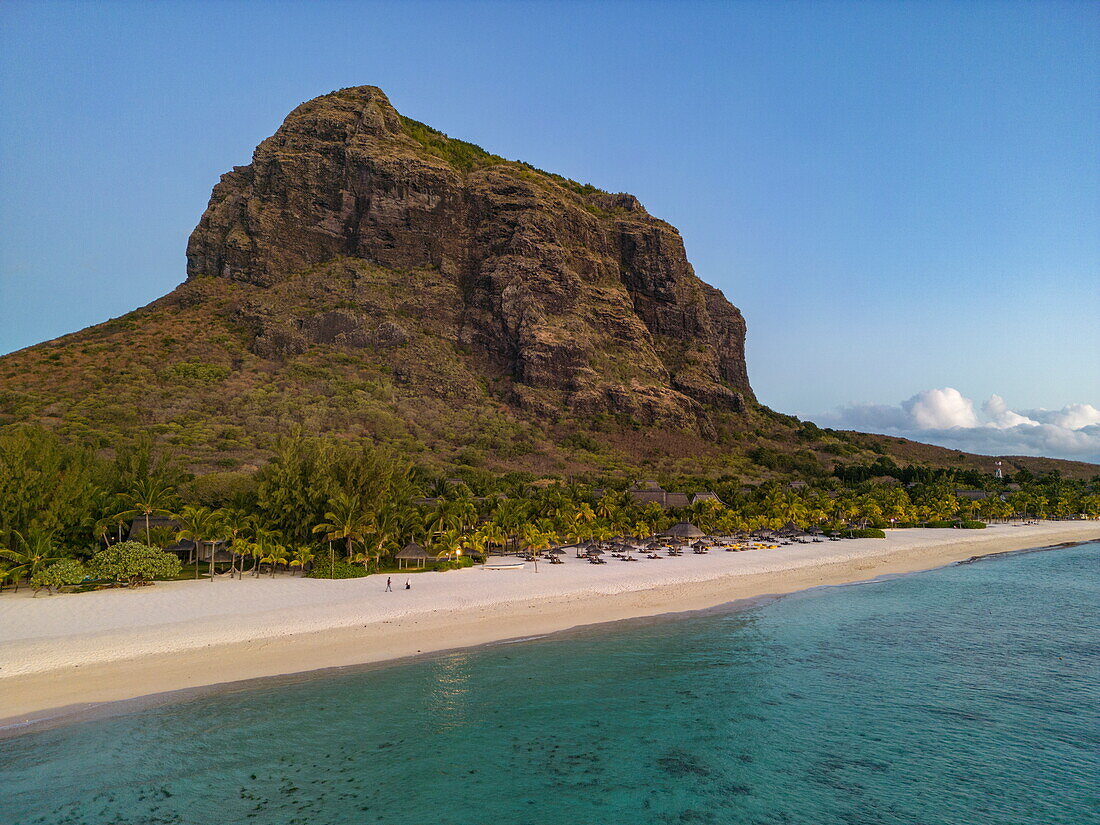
(557, 551)
(412, 552)
(594, 551)
(683, 530)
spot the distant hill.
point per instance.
(370, 277)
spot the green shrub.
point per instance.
(194, 372)
(458, 153)
(939, 524)
(59, 574)
(581, 441)
(973, 525)
(338, 568)
(134, 563)
(802, 462)
(865, 533)
(454, 564)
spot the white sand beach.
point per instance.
(69, 651)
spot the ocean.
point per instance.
(968, 695)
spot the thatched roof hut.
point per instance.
(684, 530)
(412, 552)
(789, 530)
(156, 522)
(706, 495)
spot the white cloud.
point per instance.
(940, 410)
(948, 418)
(1001, 417)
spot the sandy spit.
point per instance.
(61, 654)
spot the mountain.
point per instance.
(368, 276)
(581, 299)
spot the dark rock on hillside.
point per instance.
(586, 301)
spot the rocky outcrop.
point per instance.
(583, 298)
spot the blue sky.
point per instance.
(899, 196)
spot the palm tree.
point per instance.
(385, 529)
(5, 574)
(536, 540)
(148, 497)
(36, 552)
(199, 525)
(448, 542)
(255, 552)
(103, 527)
(602, 532)
(477, 541)
(275, 555)
(607, 507)
(265, 539)
(584, 515)
(488, 535)
(302, 556)
(235, 524)
(346, 521)
(461, 511)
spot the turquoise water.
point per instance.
(967, 695)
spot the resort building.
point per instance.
(650, 492)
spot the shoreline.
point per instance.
(48, 680)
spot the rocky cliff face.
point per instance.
(581, 298)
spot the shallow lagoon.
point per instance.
(962, 695)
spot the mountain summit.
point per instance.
(580, 297)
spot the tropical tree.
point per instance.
(58, 574)
(199, 525)
(107, 524)
(275, 554)
(490, 534)
(303, 555)
(148, 497)
(235, 524)
(473, 544)
(608, 506)
(255, 551)
(447, 542)
(134, 563)
(385, 530)
(294, 489)
(536, 540)
(36, 551)
(6, 574)
(345, 520)
(261, 547)
(47, 484)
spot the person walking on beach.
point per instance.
(389, 589)
(408, 586)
